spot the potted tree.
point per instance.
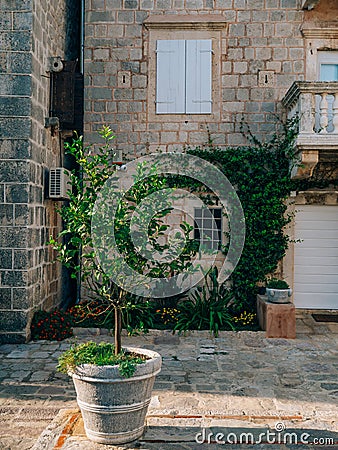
(113, 383)
(278, 291)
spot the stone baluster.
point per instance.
(306, 112)
(335, 113)
(313, 112)
(323, 107)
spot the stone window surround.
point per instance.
(317, 38)
(175, 27)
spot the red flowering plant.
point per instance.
(54, 325)
(92, 314)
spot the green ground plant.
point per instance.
(101, 354)
(206, 307)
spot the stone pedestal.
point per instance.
(278, 320)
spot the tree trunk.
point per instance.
(118, 329)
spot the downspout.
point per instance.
(82, 15)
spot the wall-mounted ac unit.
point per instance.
(58, 183)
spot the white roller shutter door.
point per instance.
(316, 257)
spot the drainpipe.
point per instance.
(82, 15)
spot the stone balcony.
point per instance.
(316, 104)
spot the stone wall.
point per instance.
(32, 31)
(260, 54)
(48, 41)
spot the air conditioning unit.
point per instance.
(58, 183)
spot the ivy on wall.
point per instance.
(260, 173)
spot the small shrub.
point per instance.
(137, 315)
(92, 315)
(55, 325)
(274, 283)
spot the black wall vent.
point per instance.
(63, 95)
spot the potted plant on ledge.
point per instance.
(278, 291)
(113, 383)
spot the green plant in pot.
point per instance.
(114, 383)
(278, 291)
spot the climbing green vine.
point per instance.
(260, 173)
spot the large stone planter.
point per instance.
(113, 407)
(278, 295)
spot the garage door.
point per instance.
(316, 257)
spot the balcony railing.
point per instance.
(316, 104)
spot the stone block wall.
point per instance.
(31, 32)
(261, 54)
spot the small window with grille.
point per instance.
(208, 227)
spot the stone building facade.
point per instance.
(31, 33)
(258, 51)
(269, 58)
(261, 62)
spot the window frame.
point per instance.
(158, 33)
(327, 58)
(317, 40)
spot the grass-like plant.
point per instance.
(207, 307)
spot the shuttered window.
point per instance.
(183, 77)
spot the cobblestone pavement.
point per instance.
(239, 380)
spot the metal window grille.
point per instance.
(208, 227)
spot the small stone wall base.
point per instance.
(278, 320)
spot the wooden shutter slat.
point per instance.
(170, 77)
(198, 76)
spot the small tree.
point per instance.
(75, 247)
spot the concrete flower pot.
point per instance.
(114, 407)
(278, 295)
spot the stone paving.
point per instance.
(237, 381)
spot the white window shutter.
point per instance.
(198, 76)
(170, 77)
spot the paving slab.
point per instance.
(240, 380)
(67, 432)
